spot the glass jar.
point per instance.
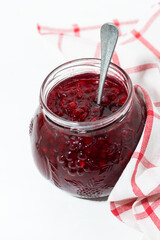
(86, 158)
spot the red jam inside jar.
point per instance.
(75, 99)
(83, 147)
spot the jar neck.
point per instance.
(76, 67)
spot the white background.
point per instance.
(31, 208)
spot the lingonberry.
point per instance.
(77, 98)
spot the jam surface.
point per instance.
(75, 99)
(86, 164)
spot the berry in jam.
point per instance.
(87, 162)
(75, 99)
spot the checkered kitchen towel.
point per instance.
(135, 199)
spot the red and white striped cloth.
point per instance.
(135, 199)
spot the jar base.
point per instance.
(96, 199)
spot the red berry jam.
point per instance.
(75, 99)
(83, 147)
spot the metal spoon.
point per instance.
(109, 37)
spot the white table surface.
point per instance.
(31, 208)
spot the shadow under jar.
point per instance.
(85, 153)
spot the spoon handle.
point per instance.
(109, 37)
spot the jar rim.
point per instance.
(87, 125)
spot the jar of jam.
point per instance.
(80, 146)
